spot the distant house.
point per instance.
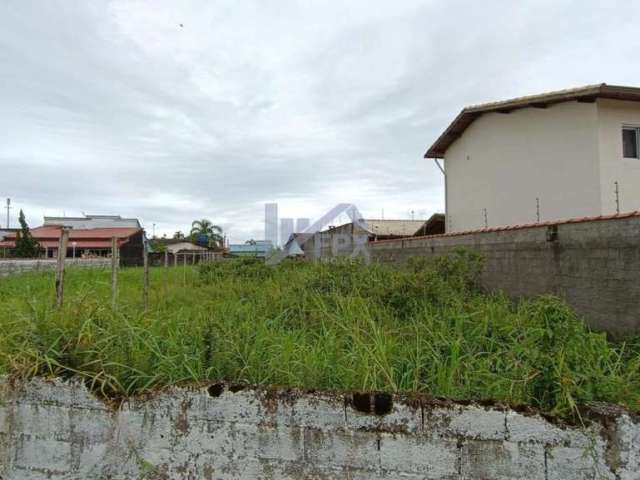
(343, 239)
(558, 155)
(434, 226)
(87, 242)
(387, 229)
(91, 222)
(257, 248)
(4, 232)
(185, 247)
(7, 231)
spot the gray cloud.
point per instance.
(112, 107)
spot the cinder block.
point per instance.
(624, 457)
(5, 409)
(569, 463)
(357, 449)
(471, 422)
(434, 459)
(315, 410)
(43, 454)
(501, 460)
(535, 429)
(268, 442)
(48, 421)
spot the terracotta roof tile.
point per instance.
(635, 213)
(49, 235)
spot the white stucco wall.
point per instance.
(612, 116)
(503, 162)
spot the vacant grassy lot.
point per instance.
(422, 328)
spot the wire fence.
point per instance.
(183, 260)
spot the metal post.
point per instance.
(145, 284)
(486, 221)
(538, 209)
(115, 261)
(617, 198)
(62, 254)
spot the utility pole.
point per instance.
(8, 209)
(486, 221)
(154, 230)
(617, 198)
(538, 209)
(115, 264)
(62, 254)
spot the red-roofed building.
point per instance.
(87, 242)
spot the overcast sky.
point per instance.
(174, 110)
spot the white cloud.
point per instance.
(113, 107)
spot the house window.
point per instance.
(630, 142)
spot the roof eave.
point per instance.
(583, 94)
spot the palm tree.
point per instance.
(206, 227)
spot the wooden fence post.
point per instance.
(115, 263)
(145, 286)
(62, 254)
(184, 269)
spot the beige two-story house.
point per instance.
(554, 156)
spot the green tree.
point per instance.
(178, 235)
(206, 227)
(26, 245)
(157, 246)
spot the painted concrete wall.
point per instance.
(613, 115)
(54, 430)
(15, 266)
(503, 162)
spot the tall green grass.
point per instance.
(424, 327)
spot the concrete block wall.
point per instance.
(56, 430)
(15, 266)
(593, 265)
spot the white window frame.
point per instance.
(637, 130)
